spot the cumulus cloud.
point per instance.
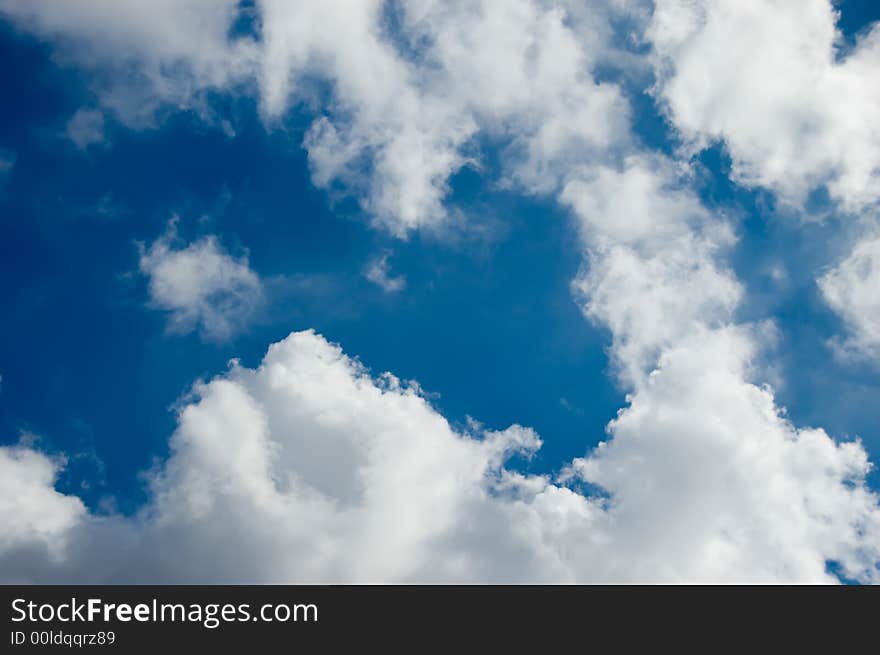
(85, 128)
(657, 279)
(770, 79)
(308, 469)
(708, 477)
(200, 285)
(852, 289)
(651, 248)
(35, 516)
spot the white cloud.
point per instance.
(306, 469)
(651, 249)
(701, 463)
(525, 72)
(772, 80)
(378, 272)
(709, 483)
(200, 285)
(85, 128)
(34, 514)
(148, 54)
(403, 107)
(385, 139)
(852, 289)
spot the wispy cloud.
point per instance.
(85, 128)
(7, 161)
(378, 271)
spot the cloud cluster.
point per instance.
(697, 427)
(401, 91)
(793, 102)
(775, 81)
(308, 469)
(200, 285)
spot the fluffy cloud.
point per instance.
(774, 81)
(408, 101)
(710, 483)
(697, 427)
(35, 516)
(651, 248)
(308, 469)
(385, 139)
(852, 289)
(200, 285)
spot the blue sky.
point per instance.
(487, 322)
